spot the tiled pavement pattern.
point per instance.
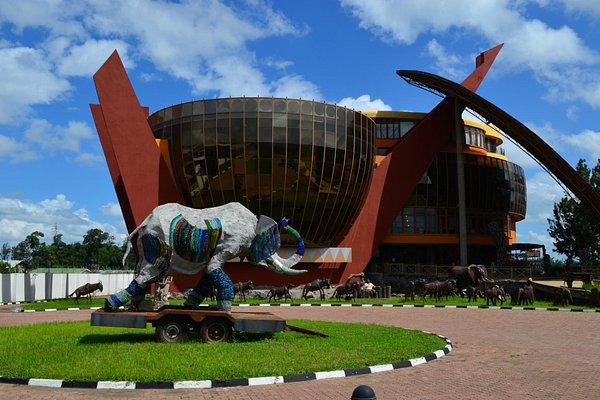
(497, 354)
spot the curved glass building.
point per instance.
(307, 161)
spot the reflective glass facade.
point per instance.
(427, 228)
(310, 162)
(492, 185)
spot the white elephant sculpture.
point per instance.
(179, 239)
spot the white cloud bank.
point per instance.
(364, 102)
(19, 218)
(558, 57)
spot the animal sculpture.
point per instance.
(178, 239)
(86, 290)
(472, 275)
(495, 294)
(282, 292)
(240, 289)
(317, 284)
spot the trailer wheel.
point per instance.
(215, 330)
(172, 330)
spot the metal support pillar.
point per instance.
(459, 133)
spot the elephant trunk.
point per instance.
(282, 265)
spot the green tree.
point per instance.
(58, 251)
(575, 231)
(6, 251)
(29, 250)
(4, 267)
(109, 257)
(95, 243)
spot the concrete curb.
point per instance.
(347, 305)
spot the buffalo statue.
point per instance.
(178, 239)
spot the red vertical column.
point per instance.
(140, 175)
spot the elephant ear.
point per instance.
(266, 241)
(471, 270)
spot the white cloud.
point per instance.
(111, 209)
(26, 79)
(209, 40)
(572, 113)
(588, 142)
(295, 86)
(58, 17)
(84, 60)
(15, 151)
(19, 218)
(542, 193)
(364, 102)
(555, 139)
(448, 65)
(65, 138)
(583, 7)
(149, 77)
(537, 233)
(558, 57)
(277, 64)
(90, 158)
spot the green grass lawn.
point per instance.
(78, 351)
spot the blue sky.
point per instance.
(52, 168)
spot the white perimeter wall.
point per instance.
(42, 286)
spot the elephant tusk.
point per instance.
(276, 264)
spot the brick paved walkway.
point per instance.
(498, 354)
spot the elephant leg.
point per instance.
(203, 289)
(218, 279)
(224, 288)
(134, 293)
(153, 265)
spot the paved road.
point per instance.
(498, 354)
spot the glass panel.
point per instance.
(266, 105)
(293, 126)
(330, 110)
(279, 106)
(250, 105)
(431, 219)
(307, 107)
(176, 111)
(237, 128)
(210, 106)
(237, 105)
(406, 126)
(198, 107)
(187, 109)
(223, 128)
(319, 109)
(223, 105)
(293, 106)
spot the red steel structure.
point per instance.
(143, 178)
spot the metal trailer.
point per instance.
(173, 323)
